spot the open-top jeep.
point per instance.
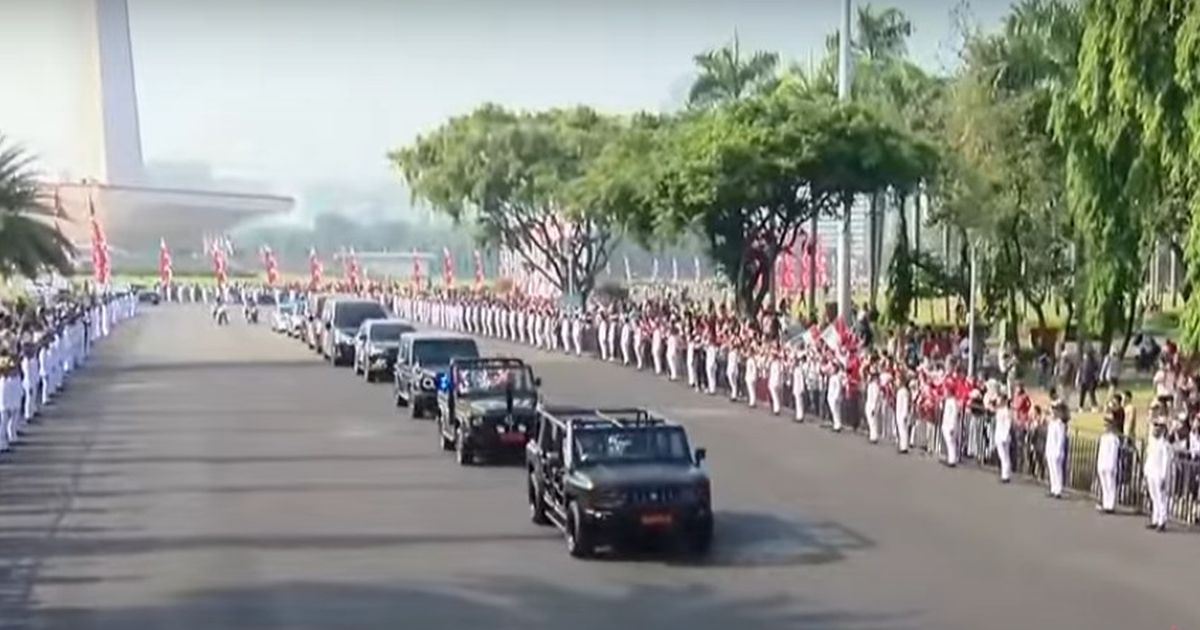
(611, 476)
(486, 406)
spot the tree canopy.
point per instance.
(29, 241)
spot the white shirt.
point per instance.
(1158, 458)
(1003, 425)
(1056, 434)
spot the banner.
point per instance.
(165, 270)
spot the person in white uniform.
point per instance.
(774, 360)
(1156, 469)
(833, 396)
(1056, 444)
(1106, 464)
(799, 385)
(753, 361)
(673, 353)
(872, 407)
(732, 359)
(902, 413)
(1002, 435)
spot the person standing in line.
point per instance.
(799, 383)
(626, 339)
(1056, 442)
(639, 341)
(775, 365)
(753, 365)
(1156, 469)
(1107, 458)
(711, 348)
(834, 396)
(732, 360)
(691, 359)
(950, 413)
(656, 346)
(872, 405)
(673, 352)
(903, 409)
(1002, 435)
(1110, 371)
(577, 324)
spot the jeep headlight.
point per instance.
(608, 499)
(476, 421)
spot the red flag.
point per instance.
(165, 271)
(101, 270)
(447, 267)
(478, 270)
(353, 274)
(220, 266)
(315, 269)
(271, 265)
(416, 268)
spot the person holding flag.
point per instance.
(316, 270)
(447, 268)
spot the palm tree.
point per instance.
(726, 76)
(29, 241)
(882, 33)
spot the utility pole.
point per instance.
(843, 271)
(973, 247)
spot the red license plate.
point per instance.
(657, 520)
(512, 438)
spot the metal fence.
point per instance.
(977, 447)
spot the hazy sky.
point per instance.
(295, 91)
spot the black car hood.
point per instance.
(489, 406)
(620, 475)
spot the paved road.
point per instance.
(197, 477)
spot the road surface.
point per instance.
(197, 477)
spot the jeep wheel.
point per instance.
(416, 410)
(579, 537)
(700, 538)
(537, 502)
(462, 453)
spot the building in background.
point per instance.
(136, 209)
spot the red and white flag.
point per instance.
(353, 273)
(165, 270)
(478, 270)
(315, 269)
(447, 267)
(220, 266)
(101, 269)
(271, 265)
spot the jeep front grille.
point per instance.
(654, 495)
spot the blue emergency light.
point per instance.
(443, 382)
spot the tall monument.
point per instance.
(113, 112)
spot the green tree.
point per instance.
(748, 175)
(512, 176)
(30, 244)
(726, 75)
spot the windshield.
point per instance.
(389, 332)
(486, 381)
(614, 446)
(352, 314)
(440, 351)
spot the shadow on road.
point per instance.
(746, 539)
(162, 367)
(499, 603)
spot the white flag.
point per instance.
(696, 261)
(628, 274)
(654, 273)
(674, 269)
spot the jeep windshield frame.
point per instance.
(617, 445)
(490, 381)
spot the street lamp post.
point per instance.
(843, 271)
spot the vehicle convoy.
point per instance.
(283, 317)
(314, 328)
(487, 407)
(341, 318)
(422, 359)
(376, 345)
(609, 477)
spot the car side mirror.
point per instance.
(537, 381)
(701, 455)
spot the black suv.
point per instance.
(611, 476)
(487, 406)
(423, 358)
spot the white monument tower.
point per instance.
(113, 112)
